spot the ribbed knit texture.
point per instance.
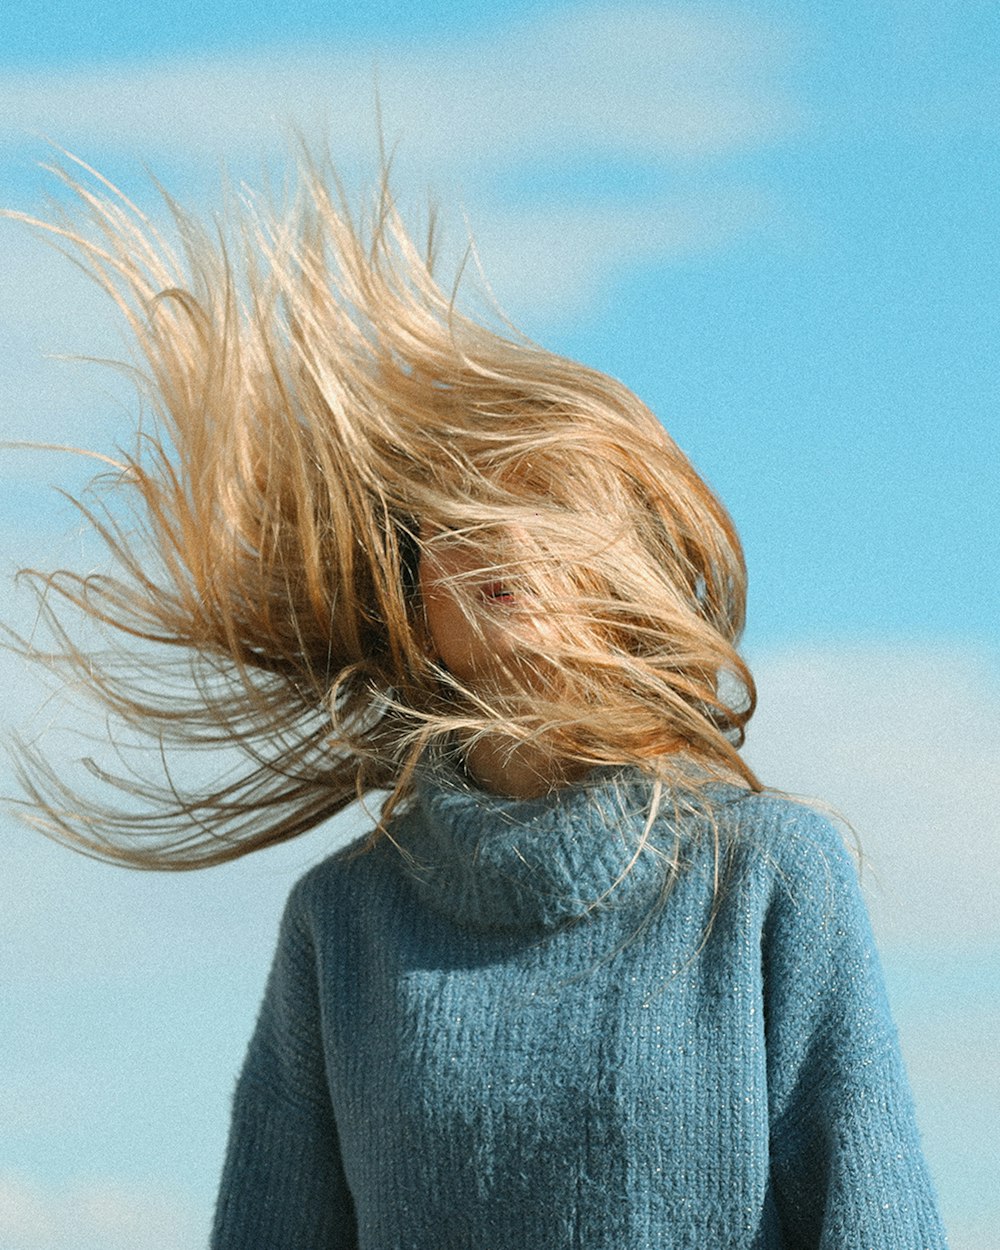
(457, 1051)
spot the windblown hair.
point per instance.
(324, 415)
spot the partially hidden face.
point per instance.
(478, 626)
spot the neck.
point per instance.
(522, 770)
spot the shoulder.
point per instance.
(792, 870)
(793, 856)
(328, 887)
(357, 882)
(782, 832)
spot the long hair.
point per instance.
(325, 417)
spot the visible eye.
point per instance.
(497, 592)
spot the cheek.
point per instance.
(490, 652)
(466, 650)
(454, 640)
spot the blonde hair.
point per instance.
(325, 414)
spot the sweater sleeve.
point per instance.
(847, 1168)
(283, 1186)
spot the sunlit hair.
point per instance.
(323, 414)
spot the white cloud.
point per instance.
(641, 79)
(477, 120)
(92, 1215)
(904, 740)
(550, 261)
(46, 301)
(48, 310)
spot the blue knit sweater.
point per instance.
(476, 1037)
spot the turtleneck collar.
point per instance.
(492, 862)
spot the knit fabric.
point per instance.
(486, 1034)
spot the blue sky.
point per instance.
(778, 224)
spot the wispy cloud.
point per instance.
(48, 311)
(92, 1215)
(646, 80)
(479, 121)
(554, 259)
(905, 741)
